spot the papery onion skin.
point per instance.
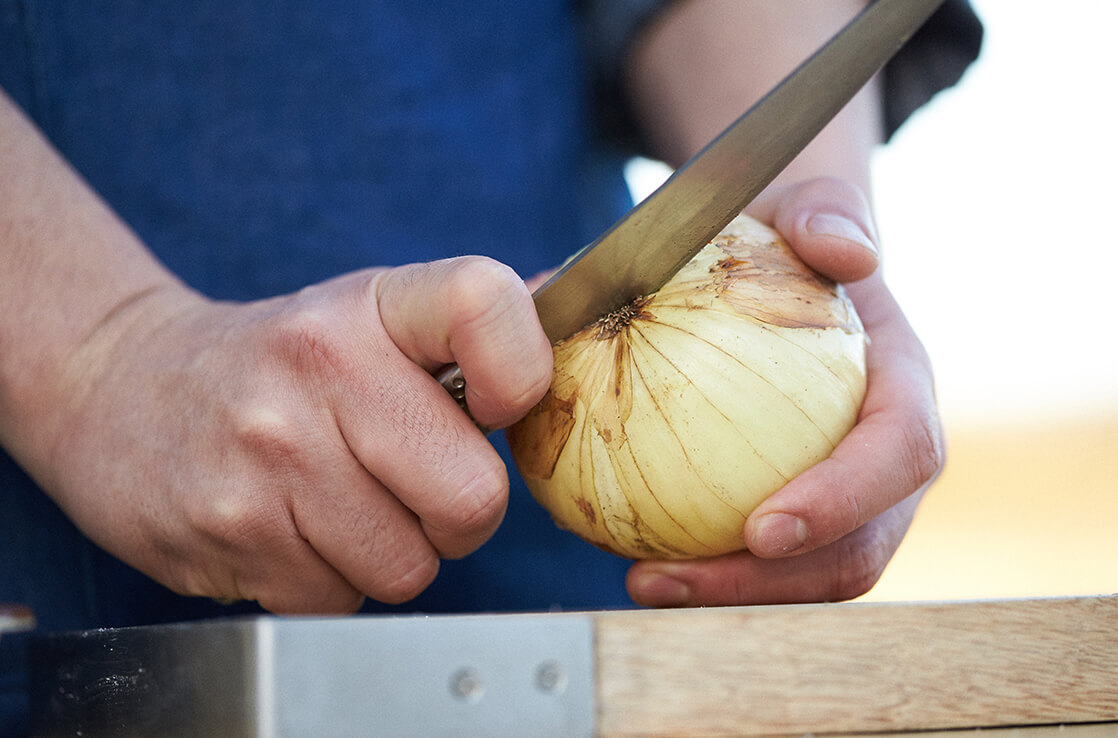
(669, 421)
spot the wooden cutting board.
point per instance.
(858, 668)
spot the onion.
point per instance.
(669, 420)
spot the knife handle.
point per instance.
(450, 377)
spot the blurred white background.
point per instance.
(995, 203)
(995, 207)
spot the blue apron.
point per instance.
(259, 147)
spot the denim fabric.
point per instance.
(258, 147)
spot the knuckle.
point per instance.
(859, 567)
(849, 513)
(306, 339)
(525, 391)
(853, 584)
(183, 576)
(264, 453)
(408, 583)
(470, 513)
(235, 524)
(479, 287)
(741, 591)
(310, 600)
(490, 302)
(227, 532)
(925, 450)
(267, 435)
(480, 502)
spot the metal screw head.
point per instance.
(551, 677)
(466, 685)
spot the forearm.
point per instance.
(704, 62)
(69, 264)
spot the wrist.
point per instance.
(73, 275)
(45, 384)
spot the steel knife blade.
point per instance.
(644, 249)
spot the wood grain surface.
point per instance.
(1075, 730)
(858, 667)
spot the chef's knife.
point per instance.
(639, 253)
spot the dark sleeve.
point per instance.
(608, 27)
(933, 60)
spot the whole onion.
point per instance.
(669, 420)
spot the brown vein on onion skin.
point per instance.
(760, 376)
(643, 535)
(640, 530)
(609, 523)
(772, 330)
(586, 461)
(659, 543)
(663, 545)
(627, 447)
(679, 440)
(674, 297)
(609, 538)
(715, 405)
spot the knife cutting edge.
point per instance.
(653, 241)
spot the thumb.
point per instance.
(477, 312)
(828, 223)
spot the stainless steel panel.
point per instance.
(495, 675)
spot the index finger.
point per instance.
(478, 313)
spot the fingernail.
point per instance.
(659, 590)
(838, 226)
(778, 533)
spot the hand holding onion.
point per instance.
(829, 532)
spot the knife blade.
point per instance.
(655, 239)
(644, 249)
